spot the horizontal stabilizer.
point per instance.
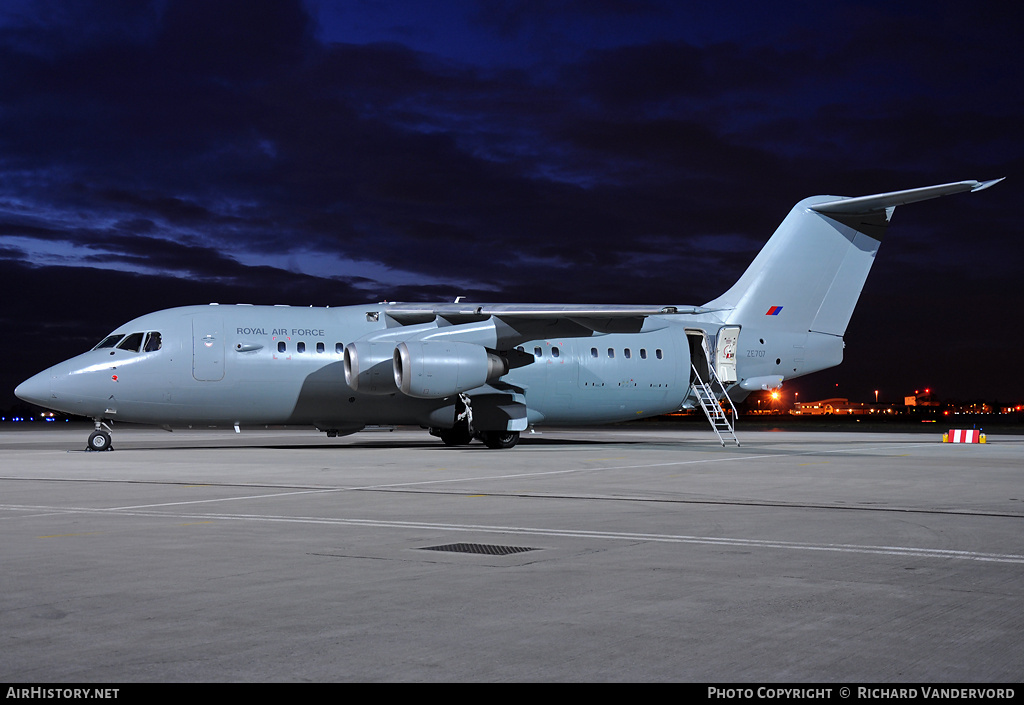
(869, 204)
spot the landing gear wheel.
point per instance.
(99, 440)
(499, 439)
(459, 435)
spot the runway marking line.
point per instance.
(534, 531)
(512, 476)
(908, 551)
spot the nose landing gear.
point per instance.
(100, 438)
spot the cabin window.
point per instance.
(643, 353)
(281, 346)
(109, 342)
(611, 353)
(131, 343)
(593, 352)
(320, 347)
(339, 348)
(153, 342)
(554, 352)
(300, 347)
(657, 353)
(627, 354)
(538, 352)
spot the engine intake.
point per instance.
(368, 367)
(438, 369)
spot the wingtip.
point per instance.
(982, 185)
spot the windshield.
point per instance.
(109, 342)
(150, 341)
(132, 342)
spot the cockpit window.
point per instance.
(109, 342)
(131, 343)
(150, 341)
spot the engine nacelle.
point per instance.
(368, 367)
(437, 369)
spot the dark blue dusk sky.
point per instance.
(328, 153)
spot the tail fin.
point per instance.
(809, 275)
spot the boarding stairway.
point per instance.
(712, 406)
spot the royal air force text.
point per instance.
(294, 332)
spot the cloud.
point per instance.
(608, 152)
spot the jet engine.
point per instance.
(437, 369)
(368, 367)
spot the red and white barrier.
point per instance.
(963, 435)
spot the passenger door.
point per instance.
(208, 347)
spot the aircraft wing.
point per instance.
(414, 312)
(586, 318)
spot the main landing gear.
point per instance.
(100, 438)
(499, 439)
(458, 435)
(462, 433)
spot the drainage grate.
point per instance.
(486, 549)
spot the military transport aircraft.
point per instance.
(489, 371)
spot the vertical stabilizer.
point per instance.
(809, 275)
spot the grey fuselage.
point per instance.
(239, 364)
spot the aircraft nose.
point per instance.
(35, 390)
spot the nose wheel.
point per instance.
(99, 439)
